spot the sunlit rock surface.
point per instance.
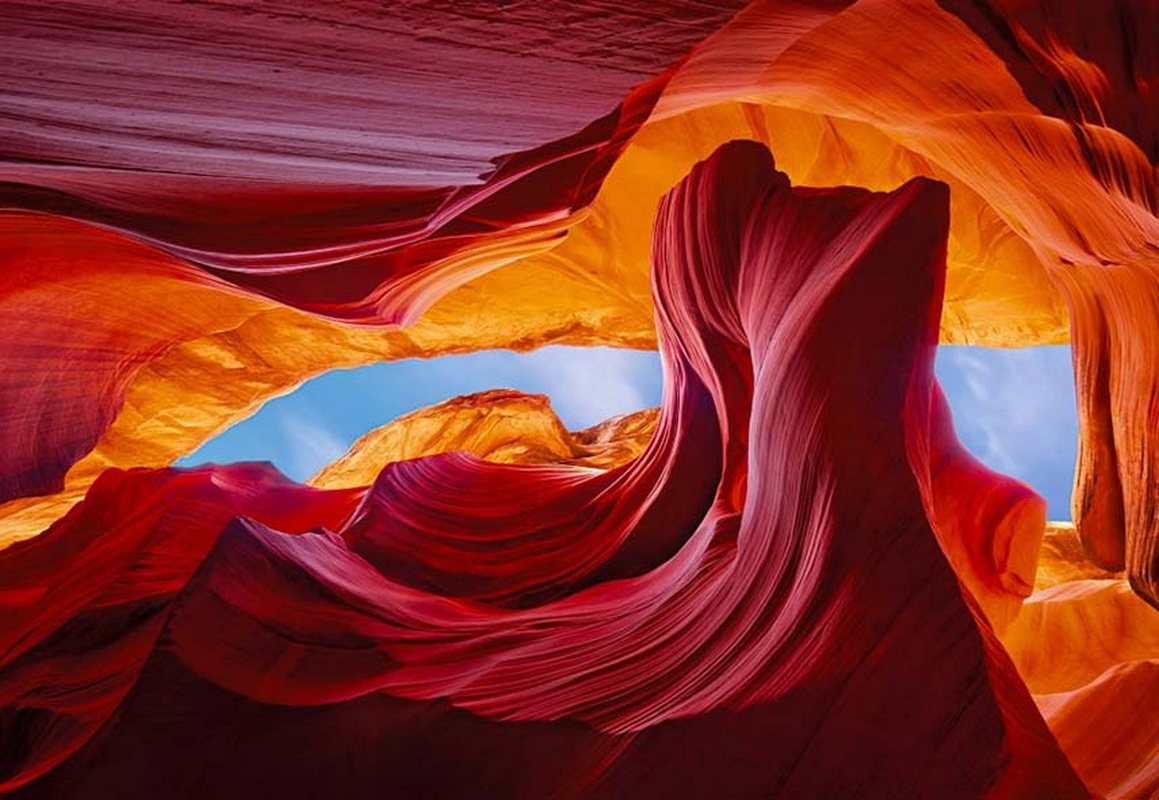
(202, 205)
(1089, 649)
(1062, 559)
(737, 577)
(325, 235)
(503, 426)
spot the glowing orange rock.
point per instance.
(1108, 730)
(809, 80)
(1089, 649)
(1062, 559)
(501, 425)
(167, 265)
(737, 581)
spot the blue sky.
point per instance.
(303, 431)
(1014, 409)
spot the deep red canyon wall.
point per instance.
(797, 585)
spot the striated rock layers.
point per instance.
(466, 627)
(183, 250)
(790, 581)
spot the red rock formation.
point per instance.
(261, 189)
(461, 611)
(203, 204)
(990, 526)
(86, 601)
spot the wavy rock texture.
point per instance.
(461, 603)
(313, 226)
(202, 205)
(1089, 650)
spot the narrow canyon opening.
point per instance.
(1015, 410)
(303, 431)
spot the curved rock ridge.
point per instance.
(1106, 729)
(736, 605)
(1088, 649)
(169, 264)
(791, 581)
(501, 425)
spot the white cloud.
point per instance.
(588, 386)
(1014, 409)
(310, 444)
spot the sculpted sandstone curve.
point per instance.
(620, 616)
(203, 205)
(805, 77)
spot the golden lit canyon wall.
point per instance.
(791, 580)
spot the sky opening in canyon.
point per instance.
(1014, 408)
(316, 423)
